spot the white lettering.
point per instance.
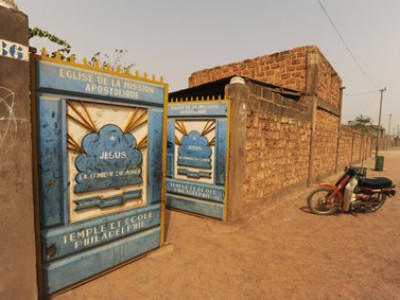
(75, 75)
(94, 235)
(112, 155)
(195, 148)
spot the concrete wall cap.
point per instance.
(8, 4)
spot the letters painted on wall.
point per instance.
(197, 157)
(99, 162)
(107, 158)
(14, 50)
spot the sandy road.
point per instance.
(280, 251)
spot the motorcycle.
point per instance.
(353, 192)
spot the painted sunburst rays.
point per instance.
(137, 118)
(208, 127)
(80, 113)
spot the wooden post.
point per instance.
(311, 91)
(238, 93)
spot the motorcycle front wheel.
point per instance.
(320, 202)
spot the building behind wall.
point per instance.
(306, 70)
(270, 139)
(292, 131)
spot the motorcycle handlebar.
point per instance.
(352, 171)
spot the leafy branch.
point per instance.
(362, 123)
(37, 32)
(114, 63)
(102, 61)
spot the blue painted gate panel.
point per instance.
(99, 167)
(197, 151)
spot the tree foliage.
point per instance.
(97, 59)
(66, 48)
(362, 123)
(104, 60)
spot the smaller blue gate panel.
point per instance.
(197, 152)
(100, 137)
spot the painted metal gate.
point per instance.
(100, 144)
(197, 156)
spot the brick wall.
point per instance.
(277, 143)
(325, 144)
(329, 83)
(304, 69)
(345, 147)
(287, 69)
(291, 142)
(354, 146)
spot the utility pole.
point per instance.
(389, 135)
(398, 135)
(379, 124)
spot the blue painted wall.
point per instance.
(75, 250)
(196, 177)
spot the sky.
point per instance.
(172, 39)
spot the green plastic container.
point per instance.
(379, 163)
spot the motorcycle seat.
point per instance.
(375, 182)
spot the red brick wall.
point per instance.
(325, 144)
(283, 134)
(278, 139)
(357, 147)
(345, 147)
(354, 146)
(329, 83)
(304, 69)
(278, 134)
(287, 69)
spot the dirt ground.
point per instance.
(278, 252)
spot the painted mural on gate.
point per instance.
(197, 156)
(107, 146)
(194, 155)
(100, 164)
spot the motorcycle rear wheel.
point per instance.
(319, 203)
(382, 199)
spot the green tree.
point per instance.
(66, 48)
(362, 123)
(365, 125)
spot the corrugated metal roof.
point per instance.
(217, 89)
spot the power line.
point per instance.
(360, 94)
(346, 46)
